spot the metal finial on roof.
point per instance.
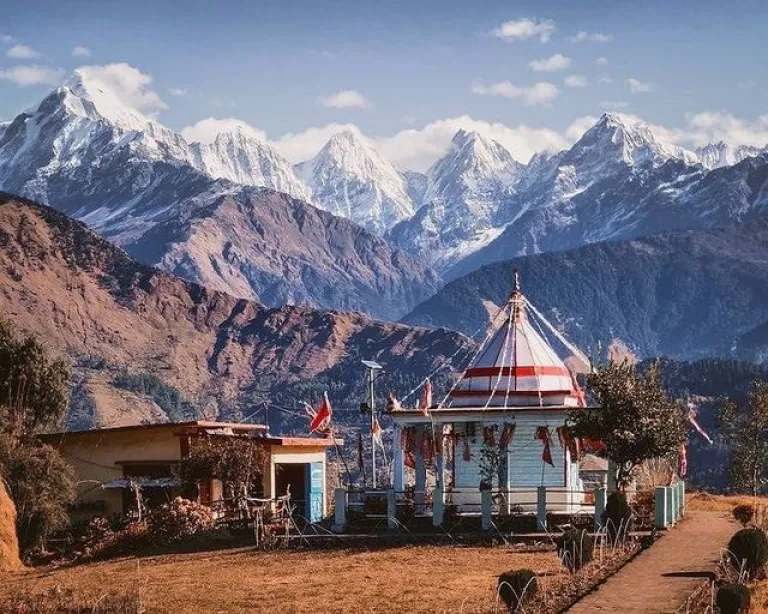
(515, 280)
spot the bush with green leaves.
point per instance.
(617, 516)
(41, 484)
(733, 599)
(179, 519)
(575, 548)
(743, 513)
(516, 587)
(748, 551)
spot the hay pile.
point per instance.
(9, 544)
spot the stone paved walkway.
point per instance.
(661, 578)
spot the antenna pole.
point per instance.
(373, 422)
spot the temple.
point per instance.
(502, 426)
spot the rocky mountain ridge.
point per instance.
(88, 299)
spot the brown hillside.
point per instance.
(89, 299)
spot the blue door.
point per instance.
(315, 491)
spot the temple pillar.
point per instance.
(398, 464)
(420, 469)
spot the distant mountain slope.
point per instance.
(683, 294)
(85, 297)
(266, 245)
(753, 344)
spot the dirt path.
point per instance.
(660, 579)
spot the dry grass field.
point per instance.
(726, 503)
(414, 579)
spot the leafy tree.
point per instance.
(635, 417)
(239, 463)
(34, 389)
(746, 427)
(33, 396)
(41, 484)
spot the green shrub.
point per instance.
(744, 513)
(41, 483)
(179, 519)
(575, 548)
(517, 586)
(748, 551)
(733, 599)
(617, 516)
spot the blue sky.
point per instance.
(401, 66)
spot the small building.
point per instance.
(593, 472)
(503, 424)
(108, 460)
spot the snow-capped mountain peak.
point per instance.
(239, 155)
(719, 154)
(621, 138)
(349, 178)
(470, 164)
(85, 96)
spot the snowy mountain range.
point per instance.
(176, 205)
(195, 209)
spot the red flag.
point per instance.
(489, 435)
(543, 435)
(683, 458)
(322, 416)
(581, 397)
(507, 433)
(592, 446)
(406, 442)
(426, 397)
(393, 404)
(697, 426)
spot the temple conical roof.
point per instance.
(516, 367)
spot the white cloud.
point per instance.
(538, 93)
(206, 130)
(300, 146)
(128, 84)
(6, 38)
(601, 61)
(591, 37)
(418, 149)
(551, 64)
(605, 79)
(345, 99)
(711, 126)
(748, 84)
(81, 52)
(177, 91)
(409, 149)
(525, 28)
(22, 52)
(638, 87)
(32, 74)
(576, 81)
(579, 126)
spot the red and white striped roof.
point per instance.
(516, 368)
